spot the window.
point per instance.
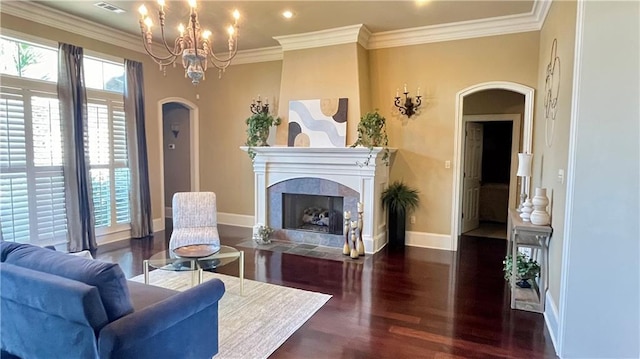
(32, 202)
(32, 184)
(109, 162)
(28, 60)
(103, 75)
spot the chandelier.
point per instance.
(193, 45)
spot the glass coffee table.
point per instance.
(166, 260)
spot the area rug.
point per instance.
(253, 325)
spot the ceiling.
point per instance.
(262, 20)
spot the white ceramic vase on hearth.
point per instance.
(540, 216)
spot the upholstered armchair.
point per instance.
(194, 219)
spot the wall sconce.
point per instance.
(409, 107)
(175, 129)
(257, 107)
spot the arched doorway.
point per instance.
(192, 142)
(459, 139)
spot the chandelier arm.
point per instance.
(228, 59)
(175, 45)
(158, 59)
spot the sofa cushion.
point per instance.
(78, 302)
(107, 277)
(6, 248)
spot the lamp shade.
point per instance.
(524, 164)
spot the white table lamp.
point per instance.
(524, 171)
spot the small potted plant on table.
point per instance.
(527, 269)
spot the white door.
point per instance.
(472, 176)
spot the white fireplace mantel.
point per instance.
(342, 165)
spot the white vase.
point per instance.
(539, 216)
(527, 208)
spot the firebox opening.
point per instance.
(312, 213)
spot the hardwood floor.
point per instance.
(416, 303)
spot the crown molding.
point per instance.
(540, 11)
(337, 36)
(363, 36)
(264, 54)
(60, 20)
(359, 33)
(502, 25)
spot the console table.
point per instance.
(526, 235)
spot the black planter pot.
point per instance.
(396, 223)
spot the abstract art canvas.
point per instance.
(318, 123)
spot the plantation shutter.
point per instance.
(99, 134)
(121, 166)
(14, 197)
(49, 191)
(109, 170)
(32, 192)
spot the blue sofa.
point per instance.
(55, 305)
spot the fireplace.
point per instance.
(324, 202)
(315, 213)
(335, 177)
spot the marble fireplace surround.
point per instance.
(277, 165)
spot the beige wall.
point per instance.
(364, 85)
(560, 24)
(491, 102)
(224, 107)
(425, 141)
(318, 73)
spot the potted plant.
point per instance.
(258, 126)
(399, 199)
(261, 234)
(372, 132)
(527, 268)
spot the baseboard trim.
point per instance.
(429, 240)
(238, 220)
(114, 237)
(168, 212)
(158, 225)
(551, 320)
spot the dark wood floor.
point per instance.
(416, 303)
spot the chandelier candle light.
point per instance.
(193, 45)
(410, 107)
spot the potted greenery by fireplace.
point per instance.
(258, 126)
(399, 199)
(372, 132)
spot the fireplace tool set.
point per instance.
(355, 246)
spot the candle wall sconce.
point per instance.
(257, 107)
(408, 106)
